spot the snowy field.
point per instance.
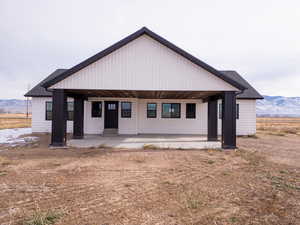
(12, 137)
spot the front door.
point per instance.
(111, 114)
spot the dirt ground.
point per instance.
(14, 120)
(257, 184)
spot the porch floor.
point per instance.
(144, 140)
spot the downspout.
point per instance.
(239, 92)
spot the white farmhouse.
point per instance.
(144, 84)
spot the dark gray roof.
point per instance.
(250, 92)
(39, 90)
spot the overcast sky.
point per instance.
(258, 38)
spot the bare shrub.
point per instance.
(4, 161)
(43, 218)
(149, 146)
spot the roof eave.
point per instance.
(256, 98)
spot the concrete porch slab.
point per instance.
(142, 140)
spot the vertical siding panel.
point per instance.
(144, 64)
(246, 124)
(39, 123)
(171, 125)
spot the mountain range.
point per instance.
(278, 106)
(14, 106)
(269, 106)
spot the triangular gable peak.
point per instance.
(144, 61)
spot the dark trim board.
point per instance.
(78, 123)
(132, 37)
(39, 91)
(212, 120)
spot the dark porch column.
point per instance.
(229, 120)
(212, 119)
(78, 117)
(59, 118)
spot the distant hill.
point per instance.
(278, 106)
(13, 106)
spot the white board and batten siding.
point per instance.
(39, 123)
(95, 125)
(144, 64)
(140, 124)
(246, 123)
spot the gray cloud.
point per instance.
(260, 39)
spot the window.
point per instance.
(170, 110)
(96, 109)
(126, 109)
(111, 106)
(48, 110)
(237, 116)
(151, 110)
(190, 111)
(70, 110)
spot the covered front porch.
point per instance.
(145, 141)
(141, 137)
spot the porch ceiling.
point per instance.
(144, 94)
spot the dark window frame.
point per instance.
(92, 111)
(46, 111)
(171, 114)
(190, 115)
(69, 117)
(68, 111)
(237, 115)
(148, 110)
(125, 111)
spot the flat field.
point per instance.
(14, 121)
(257, 184)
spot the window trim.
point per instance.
(100, 109)
(68, 119)
(186, 109)
(171, 117)
(155, 116)
(48, 111)
(124, 116)
(47, 102)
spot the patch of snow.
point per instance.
(9, 136)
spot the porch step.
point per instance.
(110, 131)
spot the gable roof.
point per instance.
(39, 90)
(132, 37)
(249, 93)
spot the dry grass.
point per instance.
(133, 187)
(4, 161)
(149, 146)
(278, 126)
(43, 218)
(14, 121)
(257, 184)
